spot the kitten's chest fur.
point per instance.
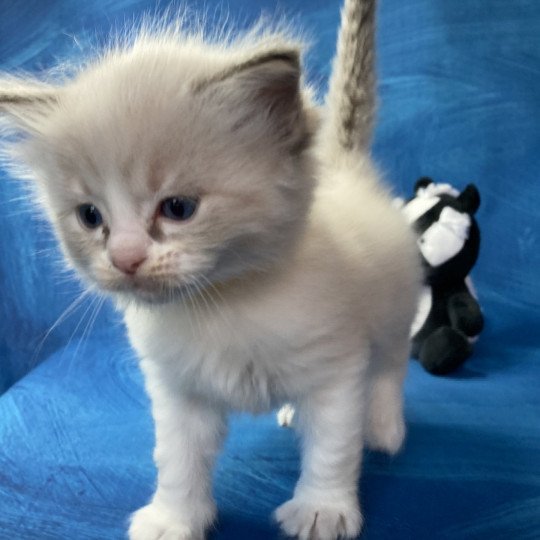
(253, 348)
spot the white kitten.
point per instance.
(247, 238)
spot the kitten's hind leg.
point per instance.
(385, 425)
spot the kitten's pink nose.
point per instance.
(128, 251)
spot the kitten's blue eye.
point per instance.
(89, 216)
(178, 208)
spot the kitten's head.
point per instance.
(170, 162)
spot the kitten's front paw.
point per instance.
(308, 519)
(152, 522)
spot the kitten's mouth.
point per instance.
(148, 290)
(159, 288)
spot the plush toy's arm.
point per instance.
(465, 314)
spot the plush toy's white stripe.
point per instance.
(470, 286)
(425, 199)
(445, 238)
(425, 302)
(434, 190)
(418, 207)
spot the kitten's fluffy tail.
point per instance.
(350, 102)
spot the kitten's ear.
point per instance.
(26, 102)
(267, 89)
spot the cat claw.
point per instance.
(313, 520)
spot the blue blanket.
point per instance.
(459, 101)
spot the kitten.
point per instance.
(246, 236)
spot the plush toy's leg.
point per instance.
(444, 350)
(465, 314)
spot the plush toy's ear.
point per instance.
(470, 199)
(422, 183)
(26, 102)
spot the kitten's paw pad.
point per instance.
(285, 415)
(152, 523)
(307, 520)
(386, 433)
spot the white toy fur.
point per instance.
(295, 281)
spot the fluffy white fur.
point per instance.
(294, 281)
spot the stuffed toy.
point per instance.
(449, 317)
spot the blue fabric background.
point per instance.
(459, 101)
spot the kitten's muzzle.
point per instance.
(128, 251)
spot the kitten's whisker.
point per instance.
(214, 288)
(45, 251)
(86, 311)
(75, 305)
(199, 308)
(21, 212)
(97, 305)
(201, 293)
(183, 299)
(194, 307)
(66, 279)
(15, 200)
(220, 307)
(199, 290)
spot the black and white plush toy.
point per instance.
(449, 316)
